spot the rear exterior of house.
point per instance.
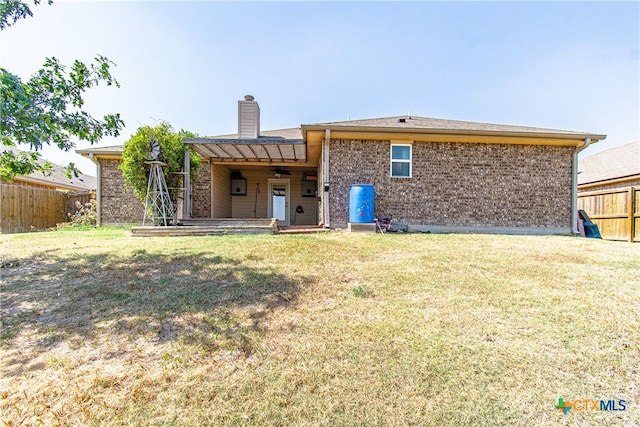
(457, 186)
(434, 175)
(442, 175)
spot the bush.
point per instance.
(85, 215)
(136, 150)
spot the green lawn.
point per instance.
(100, 328)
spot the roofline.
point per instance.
(98, 152)
(438, 131)
(54, 184)
(263, 140)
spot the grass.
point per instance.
(100, 328)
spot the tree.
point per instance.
(136, 151)
(47, 109)
(12, 10)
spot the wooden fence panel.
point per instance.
(24, 208)
(636, 214)
(615, 211)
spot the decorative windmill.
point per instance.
(158, 200)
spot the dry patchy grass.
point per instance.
(99, 328)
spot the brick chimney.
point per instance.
(248, 118)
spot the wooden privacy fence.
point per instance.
(25, 208)
(616, 212)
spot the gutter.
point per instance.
(98, 190)
(574, 185)
(461, 132)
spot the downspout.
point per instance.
(574, 185)
(98, 190)
(327, 138)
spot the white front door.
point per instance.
(279, 200)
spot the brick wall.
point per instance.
(118, 204)
(201, 192)
(457, 184)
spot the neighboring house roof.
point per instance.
(57, 178)
(612, 164)
(431, 125)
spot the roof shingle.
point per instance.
(614, 163)
(417, 122)
(57, 177)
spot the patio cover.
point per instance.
(277, 148)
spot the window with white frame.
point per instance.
(401, 161)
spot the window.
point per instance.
(400, 160)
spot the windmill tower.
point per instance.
(158, 200)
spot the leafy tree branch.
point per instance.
(11, 11)
(47, 108)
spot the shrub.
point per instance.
(85, 215)
(136, 150)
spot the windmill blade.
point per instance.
(154, 151)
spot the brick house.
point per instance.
(433, 174)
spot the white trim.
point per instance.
(392, 160)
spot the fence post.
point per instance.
(632, 210)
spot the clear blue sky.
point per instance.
(563, 65)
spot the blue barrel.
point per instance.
(361, 203)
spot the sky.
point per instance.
(557, 65)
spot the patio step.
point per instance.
(302, 229)
(229, 222)
(200, 230)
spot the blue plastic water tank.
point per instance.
(361, 203)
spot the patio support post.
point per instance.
(574, 185)
(186, 204)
